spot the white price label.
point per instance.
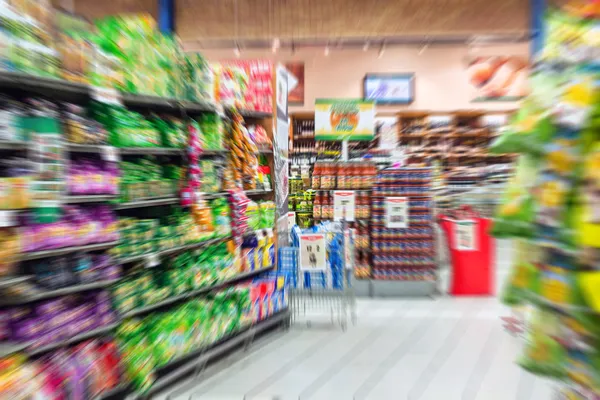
(152, 260)
(465, 238)
(110, 154)
(343, 205)
(313, 252)
(291, 220)
(396, 212)
(8, 218)
(106, 95)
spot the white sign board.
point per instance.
(343, 205)
(396, 212)
(465, 235)
(313, 252)
(291, 220)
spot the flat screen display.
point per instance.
(389, 88)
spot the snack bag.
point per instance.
(542, 355)
(514, 217)
(588, 216)
(525, 276)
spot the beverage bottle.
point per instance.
(316, 177)
(317, 206)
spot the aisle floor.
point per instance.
(414, 349)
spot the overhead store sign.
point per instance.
(338, 120)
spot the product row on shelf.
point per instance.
(127, 53)
(550, 206)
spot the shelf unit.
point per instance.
(13, 83)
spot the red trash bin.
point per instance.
(472, 255)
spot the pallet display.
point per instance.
(403, 234)
(119, 235)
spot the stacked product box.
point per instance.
(402, 240)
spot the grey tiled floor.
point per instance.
(413, 349)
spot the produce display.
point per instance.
(51, 321)
(551, 205)
(86, 371)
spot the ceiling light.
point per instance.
(237, 51)
(381, 50)
(326, 52)
(276, 45)
(366, 45)
(425, 46)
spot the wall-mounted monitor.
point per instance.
(389, 88)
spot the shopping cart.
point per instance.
(324, 291)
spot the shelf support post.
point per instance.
(537, 10)
(166, 16)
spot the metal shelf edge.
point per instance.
(35, 255)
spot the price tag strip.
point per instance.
(106, 95)
(313, 252)
(344, 205)
(152, 260)
(396, 212)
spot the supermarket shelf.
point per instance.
(147, 203)
(198, 292)
(151, 151)
(75, 339)
(8, 348)
(53, 87)
(190, 246)
(182, 367)
(13, 280)
(209, 196)
(85, 148)
(257, 192)
(89, 199)
(265, 151)
(163, 103)
(13, 301)
(208, 153)
(13, 145)
(117, 392)
(255, 114)
(35, 255)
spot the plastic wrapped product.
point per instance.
(525, 275)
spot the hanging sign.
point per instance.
(343, 205)
(396, 212)
(339, 120)
(313, 252)
(465, 238)
(349, 248)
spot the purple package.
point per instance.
(74, 379)
(106, 319)
(16, 314)
(82, 325)
(114, 177)
(51, 307)
(4, 325)
(28, 329)
(111, 273)
(31, 238)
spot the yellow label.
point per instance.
(555, 287)
(521, 277)
(280, 282)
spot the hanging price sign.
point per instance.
(152, 260)
(465, 238)
(343, 205)
(396, 212)
(313, 252)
